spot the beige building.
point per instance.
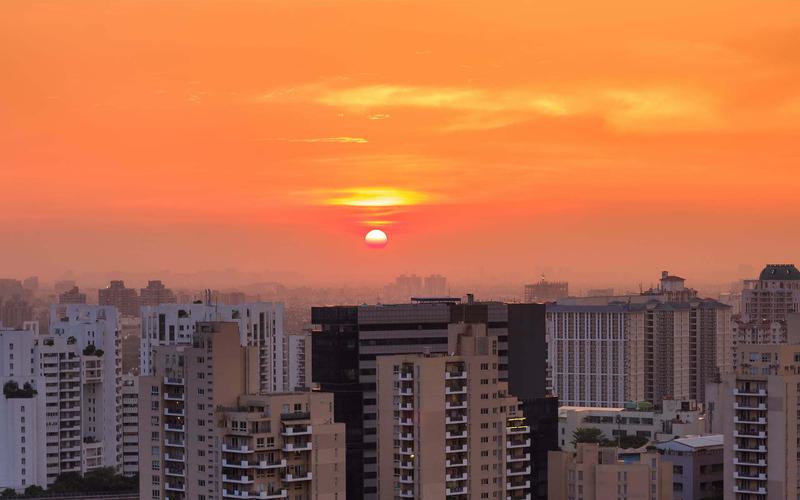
(604, 473)
(203, 437)
(447, 427)
(282, 446)
(672, 419)
(757, 408)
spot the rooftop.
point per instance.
(691, 443)
(780, 272)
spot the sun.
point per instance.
(376, 239)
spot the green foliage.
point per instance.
(633, 441)
(34, 491)
(11, 390)
(588, 435)
(8, 493)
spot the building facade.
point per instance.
(61, 410)
(671, 419)
(130, 425)
(599, 473)
(283, 445)
(546, 291)
(757, 409)
(72, 296)
(448, 427)
(697, 465)
(663, 344)
(156, 293)
(348, 340)
(282, 359)
(126, 300)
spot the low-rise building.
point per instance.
(598, 473)
(673, 419)
(697, 466)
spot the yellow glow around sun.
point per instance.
(376, 197)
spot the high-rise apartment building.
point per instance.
(62, 405)
(348, 340)
(757, 409)
(599, 473)
(130, 425)
(283, 445)
(124, 299)
(72, 296)
(546, 291)
(179, 450)
(282, 359)
(663, 344)
(435, 285)
(765, 302)
(155, 294)
(204, 437)
(15, 311)
(447, 426)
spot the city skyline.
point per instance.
(185, 136)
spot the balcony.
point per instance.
(406, 493)
(518, 486)
(170, 457)
(236, 449)
(759, 491)
(518, 444)
(174, 397)
(461, 490)
(750, 477)
(455, 389)
(174, 487)
(294, 478)
(518, 472)
(760, 449)
(758, 435)
(406, 407)
(462, 375)
(457, 419)
(761, 463)
(456, 435)
(261, 495)
(169, 471)
(455, 405)
(758, 407)
(758, 393)
(175, 444)
(404, 479)
(405, 421)
(519, 429)
(459, 477)
(237, 479)
(405, 436)
(407, 450)
(518, 458)
(174, 412)
(456, 449)
(406, 376)
(289, 447)
(244, 464)
(406, 391)
(174, 428)
(173, 381)
(456, 463)
(297, 430)
(758, 421)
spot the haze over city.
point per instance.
(596, 142)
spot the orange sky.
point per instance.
(611, 139)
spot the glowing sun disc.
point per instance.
(376, 239)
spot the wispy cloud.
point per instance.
(325, 140)
(641, 109)
(367, 196)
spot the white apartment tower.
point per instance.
(130, 425)
(765, 304)
(61, 407)
(281, 358)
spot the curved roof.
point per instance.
(780, 272)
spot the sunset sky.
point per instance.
(608, 139)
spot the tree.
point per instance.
(8, 493)
(34, 491)
(587, 435)
(633, 441)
